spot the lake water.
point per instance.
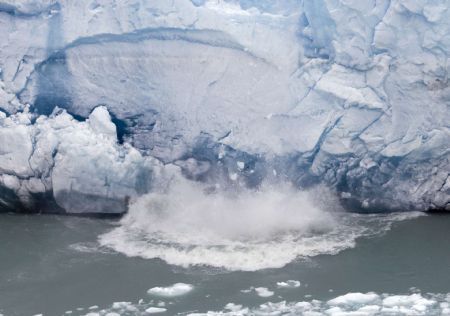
(55, 265)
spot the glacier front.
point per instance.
(101, 101)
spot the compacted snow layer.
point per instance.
(351, 93)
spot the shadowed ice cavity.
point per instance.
(53, 76)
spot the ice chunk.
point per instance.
(263, 292)
(354, 299)
(177, 289)
(84, 168)
(233, 307)
(100, 122)
(356, 307)
(288, 284)
(415, 300)
(155, 310)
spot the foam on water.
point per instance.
(190, 224)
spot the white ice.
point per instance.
(263, 292)
(350, 304)
(354, 93)
(155, 310)
(176, 289)
(288, 284)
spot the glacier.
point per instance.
(102, 101)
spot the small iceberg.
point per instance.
(177, 289)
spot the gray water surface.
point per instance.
(43, 271)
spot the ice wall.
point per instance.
(350, 93)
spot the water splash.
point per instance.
(191, 225)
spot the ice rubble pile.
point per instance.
(80, 162)
(351, 93)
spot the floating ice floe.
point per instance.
(350, 304)
(155, 310)
(288, 284)
(263, 292)
(355, 304)
(354, 298)
(177, 289)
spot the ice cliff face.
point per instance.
(351, 93)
